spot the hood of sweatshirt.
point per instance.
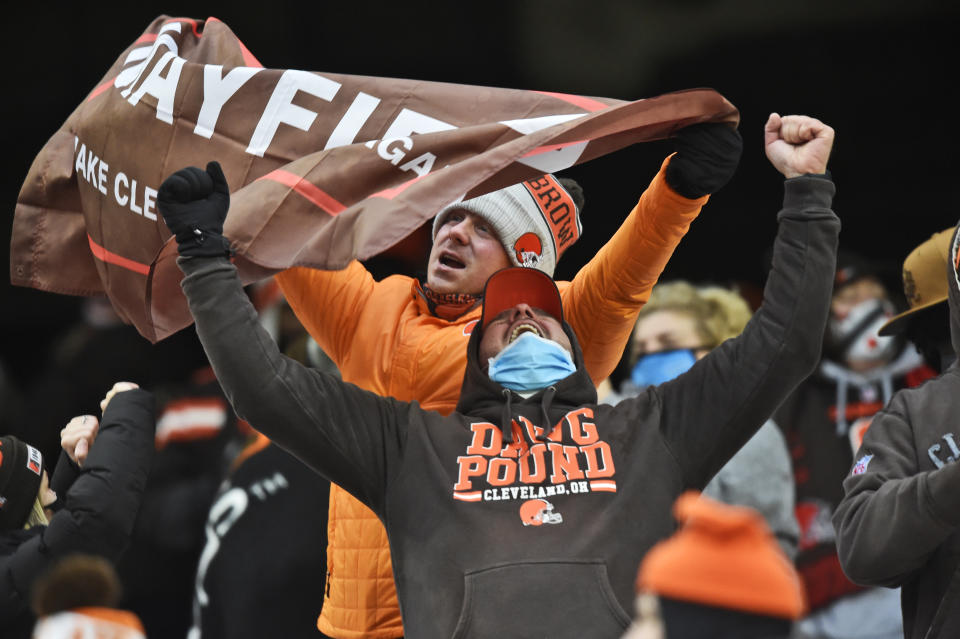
(482, 397)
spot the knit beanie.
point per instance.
(722, 556)
(536, 220)
(21, 468)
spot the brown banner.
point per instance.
(324, 168)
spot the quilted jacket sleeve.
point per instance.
(602, 301)
(312, 294)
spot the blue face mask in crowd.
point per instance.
(530, 363)
(653, 369)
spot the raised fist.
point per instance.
(194, 205)
(707, 157)
(797, 144)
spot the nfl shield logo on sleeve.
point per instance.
(861, 466)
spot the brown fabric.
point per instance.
(90, 225)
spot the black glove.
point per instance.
(194, 205)
(707, 156)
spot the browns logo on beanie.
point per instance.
(536, 220)
(21, 468)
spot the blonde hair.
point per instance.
(718, 313)
(37, 516)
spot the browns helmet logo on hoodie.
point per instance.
(537, 512)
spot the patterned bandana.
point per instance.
(448, 306)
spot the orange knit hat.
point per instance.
(723, 556)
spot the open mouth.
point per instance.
(451, 262)
(524, 328)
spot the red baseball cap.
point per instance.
(520, 285)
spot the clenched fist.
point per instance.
(194, 205)
(797, 144)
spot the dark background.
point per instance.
(882, 73)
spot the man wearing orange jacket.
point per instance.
(405, 338)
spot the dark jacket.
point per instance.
(510, 533)
(823, 422)
(196, 437)
(899, 521)
(98, 512)
(261, 573)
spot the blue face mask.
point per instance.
(530, 363)
(654, 369)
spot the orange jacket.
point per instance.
(383, 338)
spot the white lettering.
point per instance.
(102, 177)
(948, 437)
(281, 109)
(932, 453)
(81, 164)
(163, 88)
(420, 165)
(91, 174)
(90, 167)
(388, 149)
(129, 77)
(223, 514)
(131, 73)
(133, 198)
(216, 91)
(120, 197)
(353, 120)
(269, 486)
(149, 199)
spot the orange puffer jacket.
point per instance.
(383, 338)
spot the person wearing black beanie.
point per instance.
(21, 475)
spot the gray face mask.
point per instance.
(856, 334)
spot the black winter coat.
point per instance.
(100, 504)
